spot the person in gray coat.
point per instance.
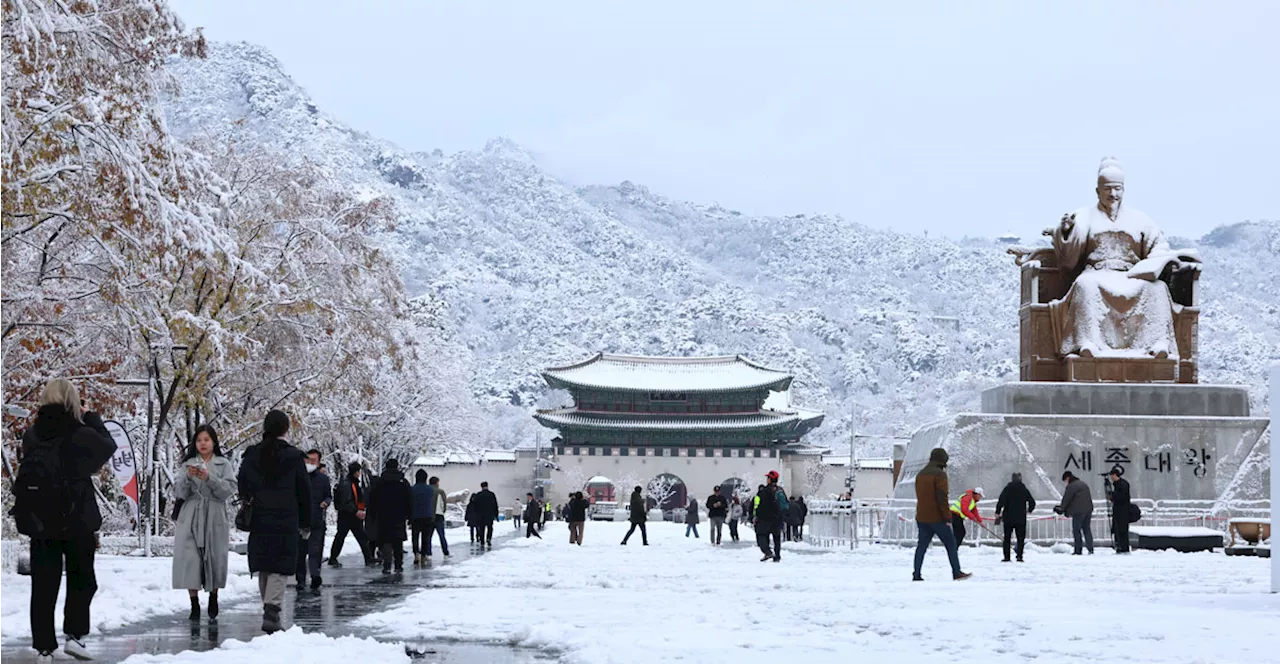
(201, 533)
(691, 519)
(1077, 503)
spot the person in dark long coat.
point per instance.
(1121, 505)
(391, 506)
(274, 477)
(486, 512)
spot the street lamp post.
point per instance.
(152, 518)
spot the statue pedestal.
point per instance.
(1174, 442)
(1121, 370)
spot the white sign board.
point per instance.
(122, 464)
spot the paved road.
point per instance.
(348, 593)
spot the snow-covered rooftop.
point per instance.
(464, 458)
(863, 464)
(574, 418)
(673, 374)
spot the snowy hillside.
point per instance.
(524, 271)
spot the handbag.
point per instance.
(244, 515)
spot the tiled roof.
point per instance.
(571, 417)
(668, 374)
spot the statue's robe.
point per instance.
(1117, 305)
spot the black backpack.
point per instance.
(44, 507)
(1135, 513)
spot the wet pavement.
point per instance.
(348, 593)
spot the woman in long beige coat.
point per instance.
(201, 536)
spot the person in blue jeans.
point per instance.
(933, 514)
(441, 498)
(691, 519)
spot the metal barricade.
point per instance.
(892, 521)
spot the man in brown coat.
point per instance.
(933, 514)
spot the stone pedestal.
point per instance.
(1174, 442)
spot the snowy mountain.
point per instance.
(522, 271)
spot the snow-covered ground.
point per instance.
(130, 589)
(682, 600)
(286, 646)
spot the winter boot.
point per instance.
(213, 606)
(195, 609)
(961, 576)
(271, 618)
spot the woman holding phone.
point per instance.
(201, 535)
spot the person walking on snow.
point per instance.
(735, 515)
(62, 451)
(274, 477)
(423, 517)
(691, 518)
(442, 501)
(1121, 506)
(1077, 503)
(348, 502)
(486, 513)
(311, 548)
(577, 516)
(532, 512)
(932, 514)
(770, 506)
(965, 507)
(1012, 507)
(717, 510)
(201, 534)
(638, 517)
(391, 507)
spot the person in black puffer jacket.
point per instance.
(85, 447)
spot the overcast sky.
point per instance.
(956, 120)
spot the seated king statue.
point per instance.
(1117, 305)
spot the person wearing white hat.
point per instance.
(965, 507)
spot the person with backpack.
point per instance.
(55, 505)
(639, 514)
(273, 483)
(1012, 507)
(473, 525)
(201, 533)
(348, 502)
(1121, 508)
(770, 507)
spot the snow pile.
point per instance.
(129, 590)
(682, 600)
(286, 646)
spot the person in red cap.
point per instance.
(768, 517)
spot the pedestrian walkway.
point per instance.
(348, 593)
